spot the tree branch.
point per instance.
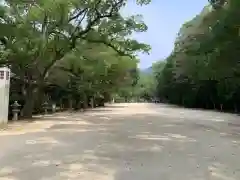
(109, 44)
(98, 17)
(77, 15)
(89, 26)
(58, 56)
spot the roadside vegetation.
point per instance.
(203, 70)
(68, 52)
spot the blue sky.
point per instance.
(163, 18)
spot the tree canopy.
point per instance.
(68, 51)
(203, 70)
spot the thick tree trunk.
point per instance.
(101, 102)
(85, 101)
(28, 107)
(40, 98)
(78, 105)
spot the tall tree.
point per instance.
(40, 34)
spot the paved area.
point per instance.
(124, 142)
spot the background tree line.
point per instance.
(69, 52)
(203, 70)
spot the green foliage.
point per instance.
(142, 90)
(145, 87)
(203, 69)
(79, 50)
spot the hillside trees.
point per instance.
(83, 45)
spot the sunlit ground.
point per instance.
(124, 141)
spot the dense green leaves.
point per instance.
(79, 50)
(203, 69)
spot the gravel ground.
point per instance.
(124, 142)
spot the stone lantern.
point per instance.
(45, 107)
(15, 110)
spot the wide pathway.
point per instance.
(123, 142)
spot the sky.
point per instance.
(164, 19)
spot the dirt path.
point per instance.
(124, 142)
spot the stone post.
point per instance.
(45, 107)
(15, 110)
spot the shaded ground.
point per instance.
(124, 142)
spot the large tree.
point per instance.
(38, 35)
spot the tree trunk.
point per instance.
(70, 103)
(77, 104)
(85, 101)
(40, 98)
(28, 107)
(101, 102)
(92, 102)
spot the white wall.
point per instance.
(4, 94)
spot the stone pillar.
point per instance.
(45, 107)
(4, 94)
(15, 110)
